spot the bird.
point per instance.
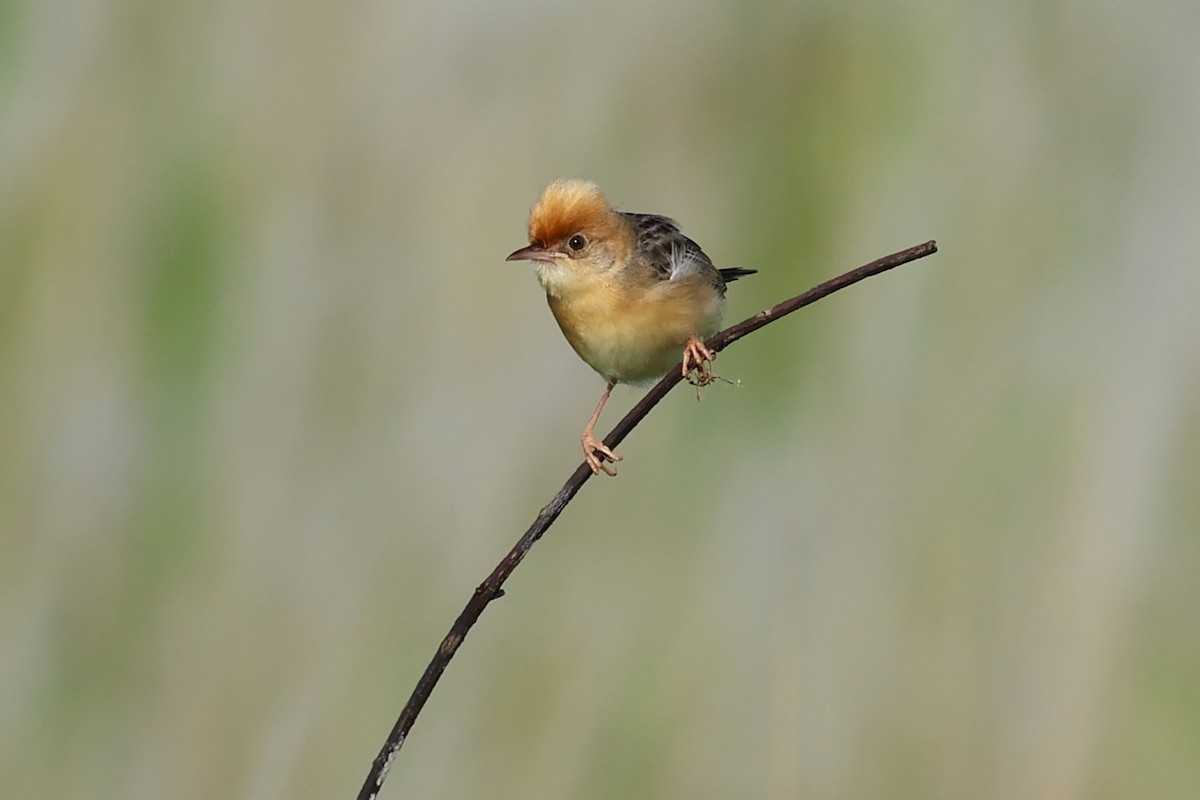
(631, 293)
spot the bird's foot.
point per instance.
(596, 453)
(698, 358)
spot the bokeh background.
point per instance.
(272, 403)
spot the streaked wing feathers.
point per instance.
(665, 249)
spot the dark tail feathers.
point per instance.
(731, 274)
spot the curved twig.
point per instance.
(491, 589)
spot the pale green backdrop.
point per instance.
(272, 403)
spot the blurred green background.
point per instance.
(272, 403)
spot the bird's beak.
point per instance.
(532, 253)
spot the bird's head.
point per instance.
(574, 235)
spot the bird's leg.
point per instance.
(697, 356)
(594, 452)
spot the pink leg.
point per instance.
(595, 452)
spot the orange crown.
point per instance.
(567, 207)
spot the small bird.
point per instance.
(631, 293)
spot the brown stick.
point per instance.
(491, 589)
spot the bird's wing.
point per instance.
(668, 253)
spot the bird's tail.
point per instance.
(731, 274)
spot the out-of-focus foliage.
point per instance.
(271, 402)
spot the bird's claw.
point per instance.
(698, 358)
(596, 453)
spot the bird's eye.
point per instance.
(577, 243)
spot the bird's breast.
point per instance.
(635, 335)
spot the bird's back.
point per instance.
(667, 254)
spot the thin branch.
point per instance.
(491, 589)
